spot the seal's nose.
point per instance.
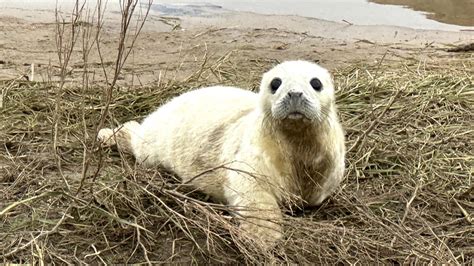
(295, 94)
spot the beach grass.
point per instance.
(407, 196)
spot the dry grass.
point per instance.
(408, 195)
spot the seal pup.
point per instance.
(281, 144)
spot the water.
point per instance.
(450, 15)
(418, 14)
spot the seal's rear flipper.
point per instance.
(120, 136)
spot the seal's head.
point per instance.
(297, 93)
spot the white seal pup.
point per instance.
(284, 142)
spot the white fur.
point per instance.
(271, 155)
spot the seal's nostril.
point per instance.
(295, 94)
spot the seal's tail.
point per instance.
(120, 136)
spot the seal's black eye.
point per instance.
(275, 84)
(316, 84)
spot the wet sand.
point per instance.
(174, 47)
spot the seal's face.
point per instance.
(297, 92)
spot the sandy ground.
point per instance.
(168, 44)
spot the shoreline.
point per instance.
(206, 16)
(332, 30)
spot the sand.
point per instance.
(167, 44)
